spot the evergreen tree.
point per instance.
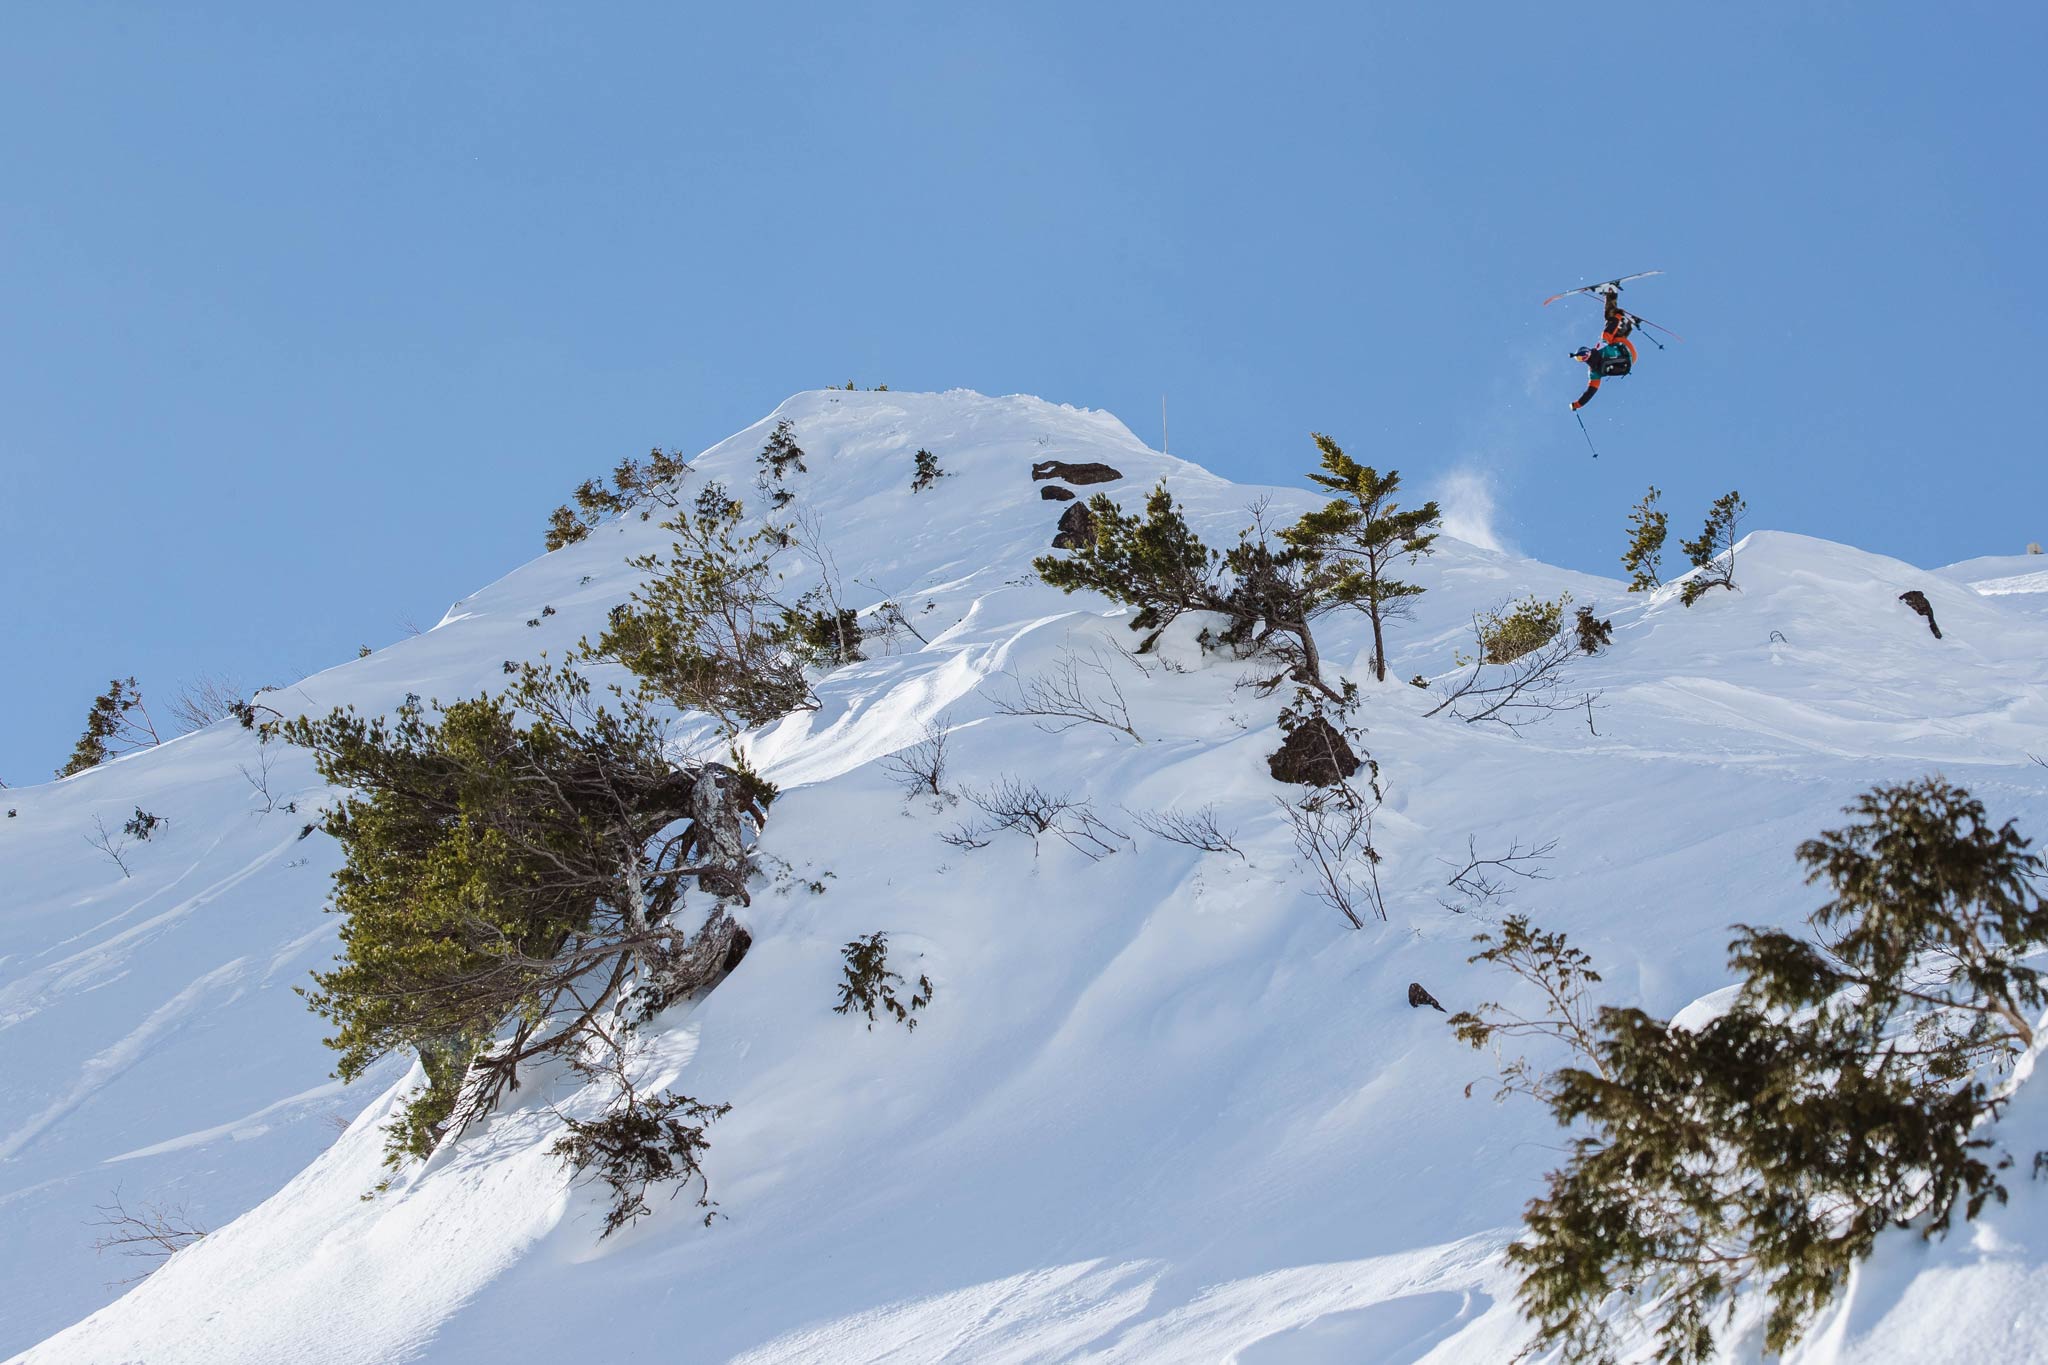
(706, 631)
(1155, 563)
(1594, 633)
(564, 528)
(1366, 535)
(1507, 633)
(1646, 526)
(118, 723)
(512, 878)
(1269, 591)
(1844, 1091)
(777, 460)
(1713, 553)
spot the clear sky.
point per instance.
(309, 314)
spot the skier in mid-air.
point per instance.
(1616, 354)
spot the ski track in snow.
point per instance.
(1164, 1107)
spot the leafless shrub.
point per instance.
(921, 769)
(1196, 829)
(1482, 881)
(106, 842)
(151, 1231)
(1015, 805)
(339, 1121)
(969, 836)
(1516, 693)
(207, 699)
(1074, 691)
(1333, 833)
(260, 780)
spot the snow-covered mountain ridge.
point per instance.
(1164, 1106)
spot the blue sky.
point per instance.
(312, 313)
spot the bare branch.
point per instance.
(1516, 693)
(151, 1231)
(106, 843)
(1074, 692)
(1195, 829)
(206, 700)
(921, 769)
(1483, 881)
(1333, 834)
(1012, 804)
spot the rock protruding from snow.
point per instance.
(1083, 474)
(1316, 754)
(1917, 600)
(1076, 529)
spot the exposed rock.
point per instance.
(1316, 755)
(1075, 473)
(1418, 997)
(1052, 492)
(1917, 600)
(1077, 528)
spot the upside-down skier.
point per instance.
(1616, 354)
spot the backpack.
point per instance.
(1612, 360)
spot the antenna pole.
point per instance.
(1164, 442)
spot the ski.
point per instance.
(1589, 288)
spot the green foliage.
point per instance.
(1713, 553)
(705, 630)
(1646, 527)
(928, 472)
(1155, 563)
(1507, 633)
(142, 825)
(1594, 633)
(639, 1144)
(502, 869)
(1269, 590)
(564, 528)
(1840, 1094)
(637, 486)
(821, 636)
(870, 984)
(1364, 535)
(118, 723)
(780, 457)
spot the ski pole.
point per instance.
(1585, 433)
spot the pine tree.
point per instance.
(778, 458)
(564, 528)
(1367, 534)
(1844, 1091)
(511, 874)
(1155, 563)
(706, 631)
(1713, 553)
(1646, 526)
(118, 723)
(1269, 590)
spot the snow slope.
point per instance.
(1164, 1107)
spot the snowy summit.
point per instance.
(1161, 1102)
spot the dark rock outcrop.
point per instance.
(1316, 755)
(1075, 473)
(1917, 600)
(1077, 527)
(1052, 492)
(1418, 997)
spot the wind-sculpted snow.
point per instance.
(1164, 1106)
